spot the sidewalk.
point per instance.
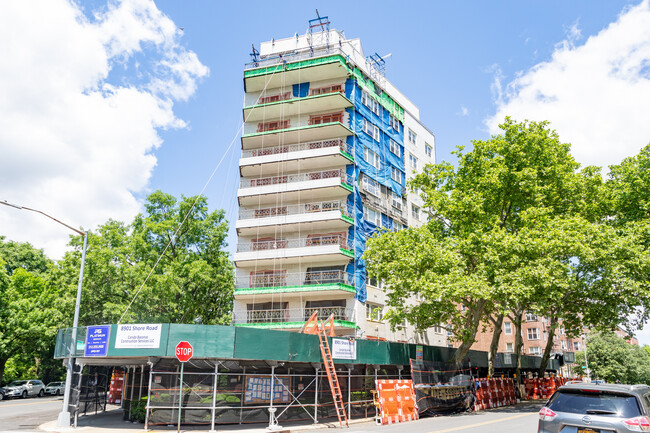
(111, 422)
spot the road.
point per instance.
(26, 415)
(519, 419)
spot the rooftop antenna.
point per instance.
(322, 25)
(255, 55)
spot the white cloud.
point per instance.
(463, 111)
(73, 143)
(596, 95)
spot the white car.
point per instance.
(25, 388)
(55, 388)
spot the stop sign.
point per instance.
(184, 351)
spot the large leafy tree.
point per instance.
(168, 265)
(611, 358)
(29, 305)
(471, 209)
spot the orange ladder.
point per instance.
(312, 326)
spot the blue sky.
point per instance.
(104, 102)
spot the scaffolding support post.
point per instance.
(273, 422)
(132, 389)
(146, 413)
(243, 395)
(140, 387)
(214, 395)
(349, 392)
(180, 398)
(316, 400)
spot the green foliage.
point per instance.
(193, 282)
(611, 358)
(139, 410)
(629, 188)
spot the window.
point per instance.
(531, 317)
(372, 216)
(428, 150)
(374, 312)
(576, 345)
(319, 119)
(415, 212)
(562, 331)
(395, 174)
(563, 344)
(437, 329)
(507, 328)
(412, 137)
(413, 161)
(509, 348)
(533, 333)
(370, 102)
(274, 98)
(371, 158)
(535, 350)
(394, 123)
(272, 126)
(327, 89)
(395, 148)
(396, 201)
(370, 129)
(370, 186)
(450, 331)
(397, 226)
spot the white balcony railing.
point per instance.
(293, 178)
(278, 244)
(292, 315)
(296, 209)
(282, 279)
(276, 150)
(294, 57)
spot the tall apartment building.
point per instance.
(327, 147)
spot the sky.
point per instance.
(103, 102)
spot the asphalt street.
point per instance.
(26, 415)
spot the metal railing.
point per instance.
(275, 150)
(278, 244)
(296, 209)
(283, 315)
(282, 279)
(294, 57)
(293, 178)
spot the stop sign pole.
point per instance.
(184, 352)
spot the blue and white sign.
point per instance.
(97, 340)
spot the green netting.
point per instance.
(282, 325)
(366, 83)
(295, 65)
(302, 288)
(386, 101)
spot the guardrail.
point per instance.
(283, 315)
(278, 244)
(287, 148)
(296, 209)
(282, 279)
(293, 178)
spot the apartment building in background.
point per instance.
(328, 145)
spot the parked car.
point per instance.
(25, 388)
(597, 408)
(55, 388)
(3, 392)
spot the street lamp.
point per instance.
(64, 415)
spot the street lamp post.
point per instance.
(64, 415)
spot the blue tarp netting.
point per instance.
(362, 228)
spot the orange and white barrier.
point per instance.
(542, 387)
(494, 392)
(115, 390)
(396, 401)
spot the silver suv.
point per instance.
(597, 408)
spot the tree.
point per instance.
(190, 281)
(29, 311)
(611, 358)
(472, 210)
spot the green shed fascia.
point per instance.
(292, 289)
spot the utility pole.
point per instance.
(64, 416)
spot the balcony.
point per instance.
(293, 318)
(320, 185)
(326, 284)
(297, 68)
(325, 216)
(285, 107)
(295, 157)
(313, 249)
(276, 133)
